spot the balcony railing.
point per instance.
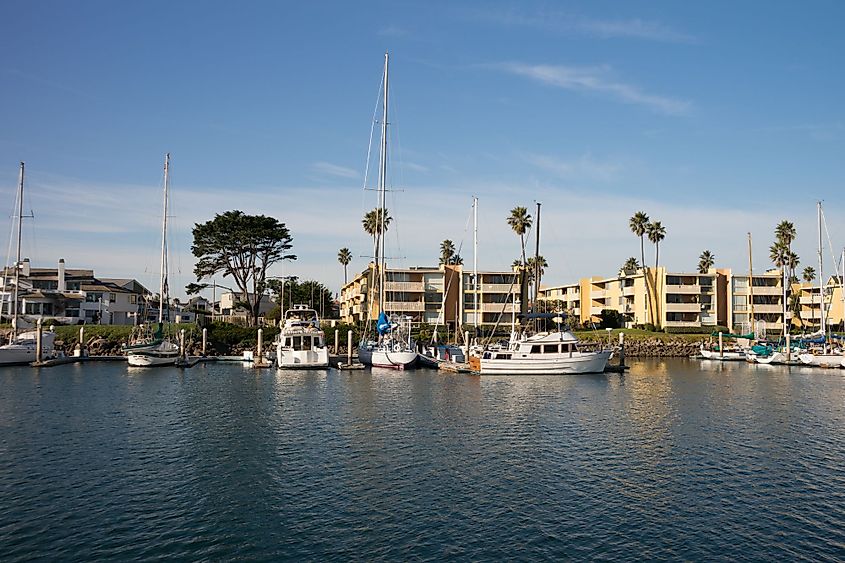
(404, 306)
(683, 307)
(404, 286)
(691, 289)
(499, 308)
(496, 287)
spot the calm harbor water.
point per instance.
(674, 460)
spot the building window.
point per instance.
(112, 298)
(133, 299)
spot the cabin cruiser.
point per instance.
(23, 348)
(301, 342)
(545, 353)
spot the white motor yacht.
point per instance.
(301, 343)
(545, 353)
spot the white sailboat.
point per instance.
(393, 346)
(825, 356)
(301, 343)
(155, 348)
(22, 347)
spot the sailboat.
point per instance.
(824, 356)
(22, 347)
(154, 348)
(392, 346)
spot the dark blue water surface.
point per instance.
(675, 460)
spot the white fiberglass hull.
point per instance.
(302, 359)
(580, 362)
(164, 354)
(23, 349)
(723, 356)
(822, 360)
(380, 357)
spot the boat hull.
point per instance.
(164, 354)
(316, 358)
(822, 360)
(380, 358)
(723, 356)
(583, 362)
(23, 349)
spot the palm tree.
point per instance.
(795, 307)
(785, 234)
(629, 267)
(778, 254)
(792, 262)
(809, 274)
(344, 257)
(520, 221)
(638, 224)
(447, 251)
(706, 261)
(530, 267)
(373, 226)
(656, 232)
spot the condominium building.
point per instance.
(444, 295)
(763, 299)
(669, 299)
(808, 312)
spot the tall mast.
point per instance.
(382, 185)
(751, 286)
(475, 261)
(163, 278)
(537, 260)
(18, 255)
(821, 276)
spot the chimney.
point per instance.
(61, 286)
(25, 270)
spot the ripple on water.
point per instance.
(672, 461)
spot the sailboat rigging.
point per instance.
(392, 346)
(155, 348)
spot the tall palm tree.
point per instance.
(706, 261)
(629, 267)
(530, 266)
(809, 274)
(795, 307)
(656, 233)
(373, 226)
(344, 257)
(785, 234)
(792, 262)
(778, 254)
(447, 251)
(638, 224)
(520, 221)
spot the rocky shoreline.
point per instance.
(658, 348)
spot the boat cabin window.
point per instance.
(550, 348)
(300, 342)
(537, 349)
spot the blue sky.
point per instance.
(716, 118)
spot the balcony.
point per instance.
(404, 286)
(499, 308)
(598, 293)
(767, 308)
(628, 291)
(401, 306)
(691, 289)
(809, 300)
(767, 290)
(683, 307)
(496, 287)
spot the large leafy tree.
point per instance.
(706, 261)
(242, 247)
(520, 221)
(344, 256)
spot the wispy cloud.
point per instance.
(567, 23)
(330, 169)
(393, 31)
(585, 167)
(596, 79)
